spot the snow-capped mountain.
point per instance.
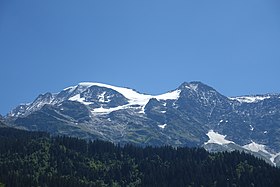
(194, 114)
(100, 98)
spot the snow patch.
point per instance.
(79, 99)
(102, 110)
(101, 97)
(273, 156)
(70, 89)
(251, 128)
(255, 147)
(249, 99)
(142, 111)
(217, 138)
(170, 95)
(162, 126)
(192, 87)
(220, 122)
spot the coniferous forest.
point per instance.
(36, 159)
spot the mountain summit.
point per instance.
(194, 114)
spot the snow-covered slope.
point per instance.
(250, 99)
(80, 94)
(217, 138)
(134, 98)
(260, 148)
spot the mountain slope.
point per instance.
(37, 159)
(187, 116)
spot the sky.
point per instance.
(150, 45)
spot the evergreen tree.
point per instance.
(36, 159)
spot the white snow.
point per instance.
(142, 111)
(170, 95)
(217, 138)
(102, 110)
(273, 156)
(79, 99)
(255, 147)
(162, 126)
(251, 128)
(192, 87)
(221, 121)
(101, 97)
(249, 99)
(36, 105)
(71, 88)
(131, 95)
(134, 98)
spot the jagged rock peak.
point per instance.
(196, 86)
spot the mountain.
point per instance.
(192, 115)
(2, 124)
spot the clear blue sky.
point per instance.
(150, 45)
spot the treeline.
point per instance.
(36, 159)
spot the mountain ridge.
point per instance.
(49, 94)
(181, 117)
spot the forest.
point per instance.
(37, 159)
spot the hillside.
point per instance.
(36, 159)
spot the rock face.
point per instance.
(194, 114)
